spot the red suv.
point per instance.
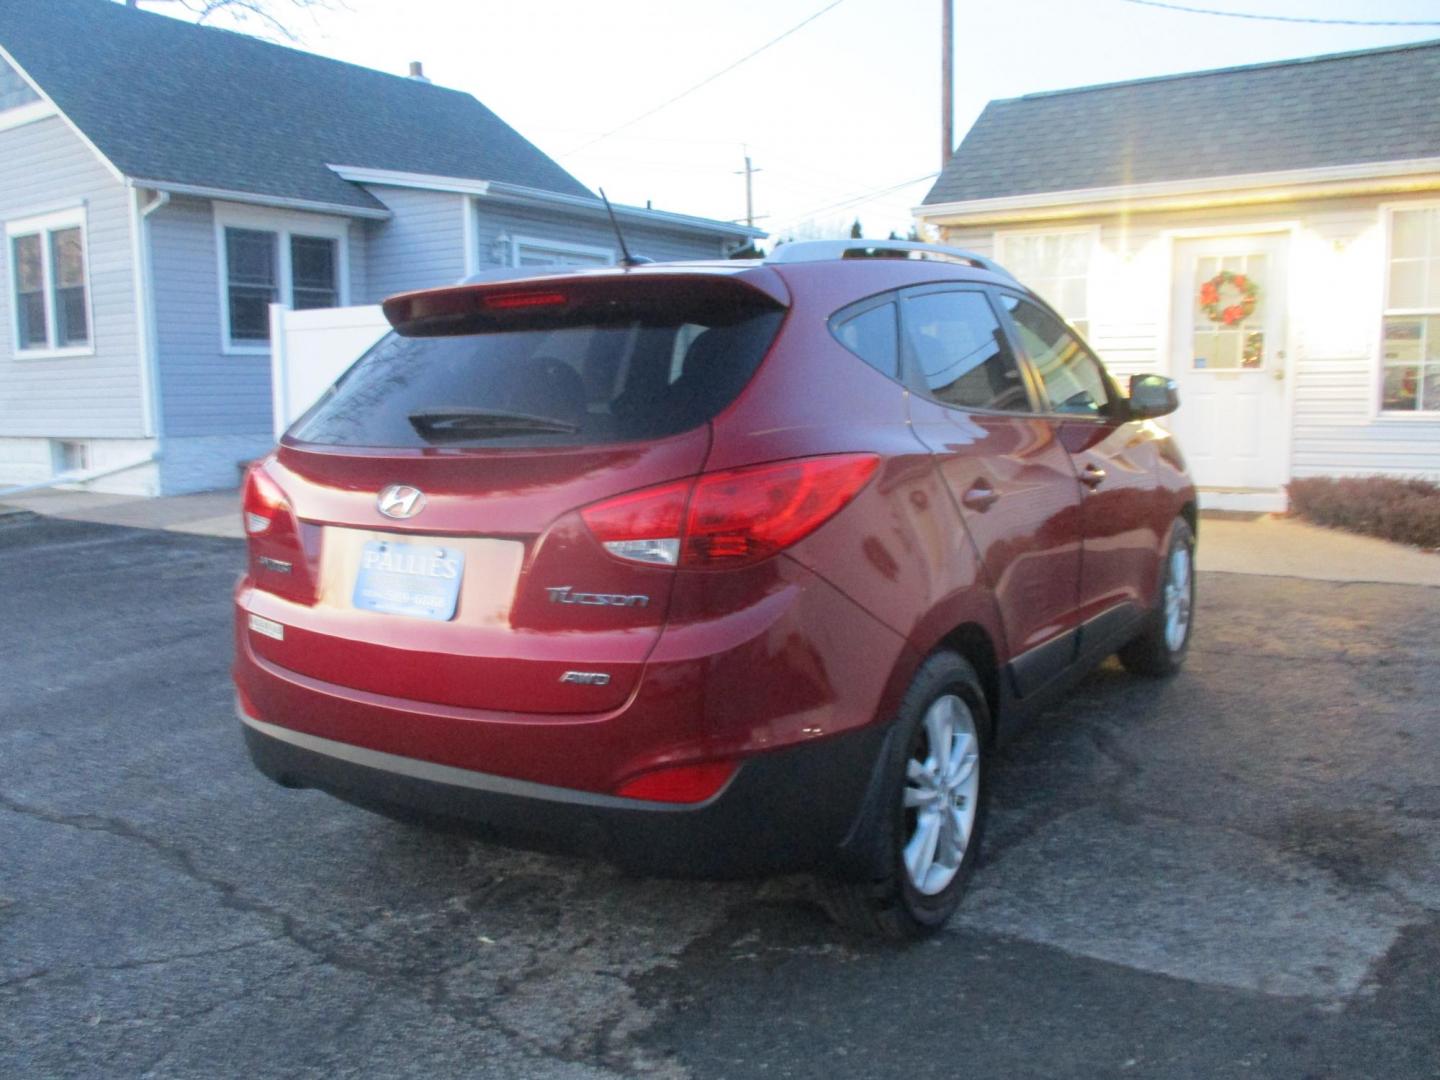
(711, 569)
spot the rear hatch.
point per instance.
(418, 533)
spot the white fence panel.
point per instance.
(309, 350)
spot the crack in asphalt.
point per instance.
(607, 1046)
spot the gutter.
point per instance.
(257, 199)
(516, 193)
(1373, 178)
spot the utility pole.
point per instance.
(749, 171)
(947, 81)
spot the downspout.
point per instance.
(145, 309)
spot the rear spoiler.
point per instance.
(553, 299)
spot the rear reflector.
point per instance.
(682, 784)
(733, 517)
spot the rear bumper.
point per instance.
(791, 810)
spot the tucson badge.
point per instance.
(400, 501)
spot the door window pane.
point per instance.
(1074, 380)
(1225, 337)
(251, 265)
(962, 353)
(873, 336)
(29, 291)
(313, 272)
(67, 269)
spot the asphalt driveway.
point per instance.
(1233, 873)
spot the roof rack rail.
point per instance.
(802, 251)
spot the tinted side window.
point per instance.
(872, 335)
(1074, 380)
(962, 353)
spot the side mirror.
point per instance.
(1152, 396)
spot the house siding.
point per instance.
(44, 166)
(497, 224)
(215, 407)
(1336, 271)
(420, 245)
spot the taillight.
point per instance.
(733, 517)
(643, 526)
(681, 783)
(262, 502)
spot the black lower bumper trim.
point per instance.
(786, 811)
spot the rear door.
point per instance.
(438, 487)
(1004, 465)
(1113, 458)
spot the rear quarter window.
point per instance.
(873, 334)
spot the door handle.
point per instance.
(1092, 475)
(980, 497)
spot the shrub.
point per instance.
(1405, 511)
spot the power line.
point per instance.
(706, 81)
(1278, 18)
(857, 200)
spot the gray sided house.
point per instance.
(1267, 235)
(162, 184)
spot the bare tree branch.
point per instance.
(267, 12)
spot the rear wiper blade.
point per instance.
(458, 422)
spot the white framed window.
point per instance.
(532, 251)
(50, 284)
(299, 260)
(1056, 264)
(1410, 326)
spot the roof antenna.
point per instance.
(626, 259)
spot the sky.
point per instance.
(841, 118)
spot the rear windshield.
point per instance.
(603, 380)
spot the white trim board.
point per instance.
(494, 189)
(1370, 178)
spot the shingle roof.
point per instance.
(1343, 109)
(168, 101)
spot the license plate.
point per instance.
(420, 580)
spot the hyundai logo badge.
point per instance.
(400, 501)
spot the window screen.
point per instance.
(27, 252)
(250, 261)
(962, 353)
(313, 272)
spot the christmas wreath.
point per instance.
(1242, 292)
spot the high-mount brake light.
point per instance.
(511, 301)
(733, 517)
(681, 783)
(262, 501)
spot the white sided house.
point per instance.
(162, 185)
(1269, 236)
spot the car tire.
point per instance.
(928, 833)
(1160, 647)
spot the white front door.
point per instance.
(1227, 351)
